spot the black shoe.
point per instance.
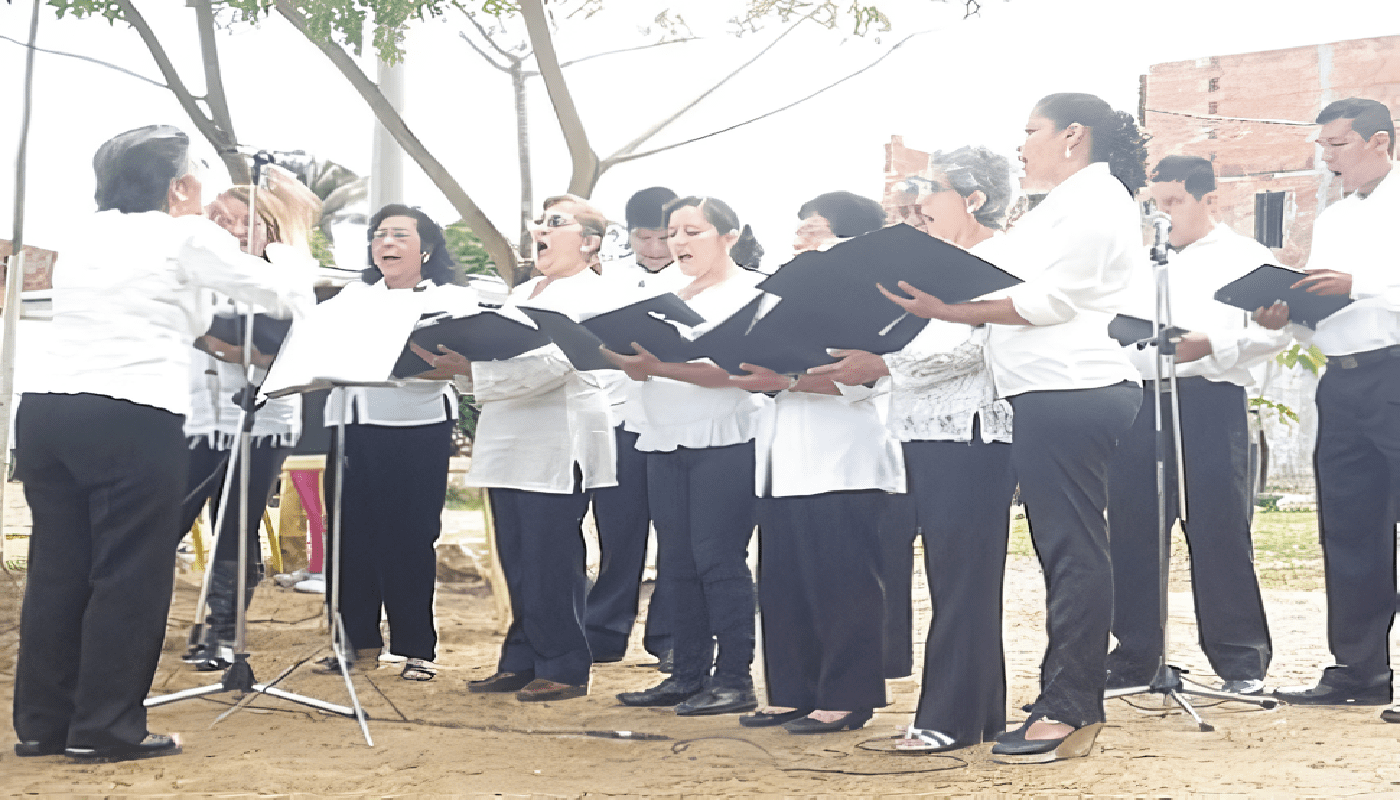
(37, 748)
(762, 719)
(667, 693)
(153, 746)
(1389, 715)
(502, 682)
(1337, 688)
(1015, 748)
(718, 701)
(852, 721)
(666, 662)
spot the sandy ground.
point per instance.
(437, 739)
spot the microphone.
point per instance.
(246, 150)
(1161, 227)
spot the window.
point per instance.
(1268, 218)
(1212, 107)
(1214, 85)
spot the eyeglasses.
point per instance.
(394, 233)
(555, 219)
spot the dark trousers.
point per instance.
(624, 520)
(395, 483)
(1062, 444)
(822, 599)
(962, 495)
(897, 530)
(702, 503)
(539, 538)
(205, 484)
(1358, 487)
(1229, 610)
(103, 479)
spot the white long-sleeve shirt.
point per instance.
(817, 443)
(539, 416)
(1356, 235)
(1194, 273)
(1076, 252)
(127, 304)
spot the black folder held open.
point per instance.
(1269, 284)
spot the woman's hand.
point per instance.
(1325, 281)
(639, 367)
(922, 303)
(1272, 317)
(230, 353)
(445, 363)
(762, 379)
(855, 368)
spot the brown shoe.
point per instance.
(539, 690)
(502, 682)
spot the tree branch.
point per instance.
(222, 143)
(97, 61)
(496, 245)
(214, 87)
(628, 50)
(614, 161)
(621, 154)
(585, 161)
(484, 55)
(481, 29)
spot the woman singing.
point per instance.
(957, 455)
(1071, 387)
(397, 445)
(543, 444)
(699, 433)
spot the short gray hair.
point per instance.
(975, 168)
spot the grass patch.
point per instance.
(463, 498)
(1287, 554)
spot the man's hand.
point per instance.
(1325, 281)
(1273, 317)
(1192, 346)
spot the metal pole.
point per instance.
(14, 276)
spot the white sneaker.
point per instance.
(291, 579)
(315, 584)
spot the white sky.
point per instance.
(962, 82)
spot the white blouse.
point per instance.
(678, 414)
(539, 416)
(816, 443)
(1076, 252)
(940, 382)
(127, 305)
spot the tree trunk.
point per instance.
(497, 246)
(214, 92)
(522, 145)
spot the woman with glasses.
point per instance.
(397, 445)
(543, 443)
(957, 455)
(698, 432)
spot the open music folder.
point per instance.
(1269, 284)
(652, 323)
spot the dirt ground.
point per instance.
(436, 739)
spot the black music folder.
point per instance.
(268, 332)
(1269, 284)
(1130, 330)
(650, 323)
(486, 336)
(580, 345)
(790, 346)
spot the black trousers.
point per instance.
(103, 479)
(702, 502)
(539, 538)
(1229, 610)
(1358, 487)
(395, 486)
(624, 521)
(822, 599)
(205, 483)
(1062, 444)
(962, 496)
(898, 529)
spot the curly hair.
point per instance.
(1114, 137)
(973, 168)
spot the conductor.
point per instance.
(101, 450)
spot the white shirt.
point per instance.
(540, 416)
(820, 443)
(1194, 273)
(678, 414)
(1076, 252)
(127, 306)
(636, 283)
(418, 402)
(940, 381)
(1357, 235)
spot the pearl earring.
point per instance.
(1067, 154)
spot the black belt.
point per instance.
(1364, 359)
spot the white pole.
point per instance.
(14, 276)
(386, 167)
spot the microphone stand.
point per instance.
(1168, 681)
(238, 677)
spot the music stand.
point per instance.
(1167, 680)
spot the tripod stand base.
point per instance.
(1168, 683)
